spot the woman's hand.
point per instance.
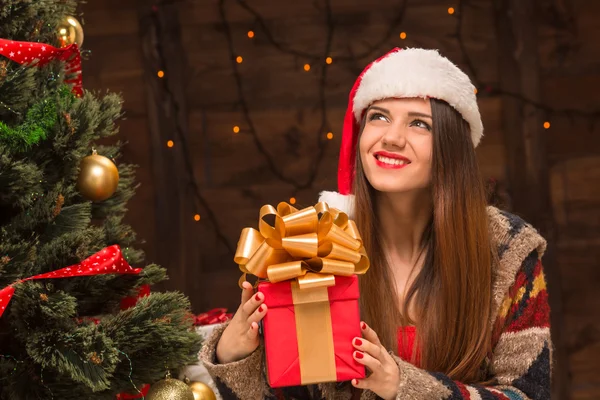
(385, 374)
(240, 338)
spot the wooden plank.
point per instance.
(526, 158)
(161, 48)
(571, 139)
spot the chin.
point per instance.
(397, 187)
(392, 188)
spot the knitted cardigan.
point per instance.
(520, 364)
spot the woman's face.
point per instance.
(396, 145)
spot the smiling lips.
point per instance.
(390, 160)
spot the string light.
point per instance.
(328, 60)
(307, 67)
(330, 135)
(161, 74)
(197, 217)
(236, 129)
(451, 10)
(239, 59)
(292, 200)
(170, 143)
(475, 90)
(250, 34)
(546, 125)
(403, 35)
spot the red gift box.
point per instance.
(308, 332)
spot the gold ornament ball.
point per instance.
(98, 178)
(202, 391)
(170, 389)
(70, 31)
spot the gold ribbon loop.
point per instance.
(337, 252)
(313, 280)
(301, 222)
(302, 246)
(310, 245)
(335, 234)
(352, 230)
(283, 272)
(327, 266)
(250, 241)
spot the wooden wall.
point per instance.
(283, 103)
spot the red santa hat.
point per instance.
(401, 73)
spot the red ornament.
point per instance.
(126, 396)
(214, 316)
(131, 301)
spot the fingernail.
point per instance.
(363, 326)
(260, 309)
(257, 297)
(358, 355)
(354, 382)
(357, 342)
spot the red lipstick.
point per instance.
(388, 160)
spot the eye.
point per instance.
(375, 116)
(421, 124)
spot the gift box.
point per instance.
(307, 262)
(308, 332)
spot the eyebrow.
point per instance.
(410, 113)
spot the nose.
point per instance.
(394, 136)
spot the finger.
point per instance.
(253, 331)
(257, 315)
(247, 292)
(369, 334)
(368, 361)
(361, 383)
(252, 304)
(372, 349)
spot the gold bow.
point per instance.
(310, 245)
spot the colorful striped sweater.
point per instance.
(519, 366)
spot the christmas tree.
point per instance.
(69, 334)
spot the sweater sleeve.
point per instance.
(521, 360)
(243, 379)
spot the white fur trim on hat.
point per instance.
(420, 73)
(342, 202)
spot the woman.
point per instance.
(455, 303)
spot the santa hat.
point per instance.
(401, 73)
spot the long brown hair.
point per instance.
(451, 294)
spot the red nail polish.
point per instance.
(260, 309)
(363, 326)
(358, 355)
(257, 297)
(358, 342)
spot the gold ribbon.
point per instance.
(311, 245)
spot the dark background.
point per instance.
(533, 62)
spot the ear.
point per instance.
(343, 202)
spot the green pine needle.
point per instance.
(40, 119)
